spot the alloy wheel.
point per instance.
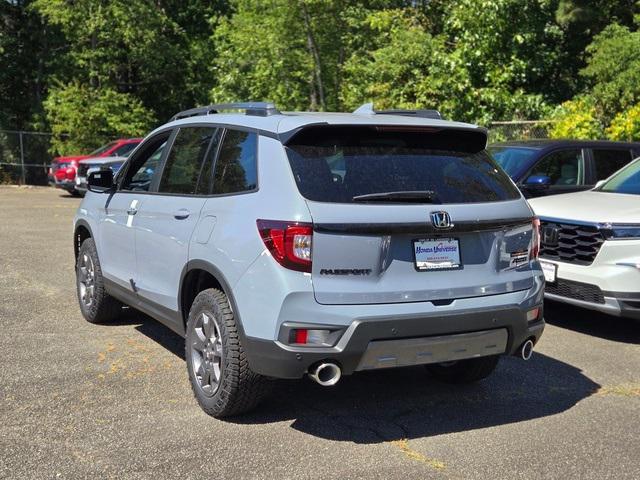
(86, 280)
(206, 353)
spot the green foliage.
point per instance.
(106, 67)
(390, 70)
(626, 125)
(262, 55)
(83, 118)
(576, 119)
(612, 69)
(404, 66)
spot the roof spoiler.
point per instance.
(257, 109)
(367, 109)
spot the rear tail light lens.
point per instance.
(71, 173)
(533, 314)
(534, 251)
(288, 242)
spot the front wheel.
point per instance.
(219, 372)
(464, 371)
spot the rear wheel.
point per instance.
(96, 304)
(464, 371)
(219, 372)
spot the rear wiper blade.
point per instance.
(412, 196)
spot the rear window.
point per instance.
(340, 164)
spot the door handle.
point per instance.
(182, 214)
(132, 211)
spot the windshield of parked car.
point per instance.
(392, 165)
(512, 159)
(626, 180)
(125, 149)
(101, 150)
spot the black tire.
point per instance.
(102, 308)
(238, 389)
(464, 371)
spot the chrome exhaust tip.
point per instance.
(325, 374)
(526, 350)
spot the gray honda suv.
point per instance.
(322, 244)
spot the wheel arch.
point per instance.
(198, 275)
(81, 232)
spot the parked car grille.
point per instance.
(576, 290)
(565, 242)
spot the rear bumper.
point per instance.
(401, 341)
(68, 185)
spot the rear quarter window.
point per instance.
(336, 164)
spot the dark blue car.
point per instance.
(547, 167)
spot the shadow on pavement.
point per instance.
(593, 323)
(406, 403)
(151, 329)
(372, 407)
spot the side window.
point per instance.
(609, 161)
(236, 168)
(184, 162)
(205, 183)
(565, 167)
(141, 172)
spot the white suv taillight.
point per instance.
(288, 242)
(534, 251)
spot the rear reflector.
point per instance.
(305, 336)
(533, 314)
(288, 242)
(300, 336)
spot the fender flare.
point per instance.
(80, 223)
(224, 284)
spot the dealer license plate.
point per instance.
(437, 253)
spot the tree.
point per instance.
(291, 52)
(576, 119)
(29, 52)
(612, 70)
(626, 125)
(83, 117)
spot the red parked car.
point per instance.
(62, 172)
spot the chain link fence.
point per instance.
(519, 130)
(24, 157)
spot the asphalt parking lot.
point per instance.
(80, 400)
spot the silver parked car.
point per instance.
(320, 244)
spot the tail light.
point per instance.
(71, 172)
(288, 242)
(534, 251)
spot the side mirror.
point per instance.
(538, 182)
(100, 181)
(600, 183)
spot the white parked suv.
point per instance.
(591, 244)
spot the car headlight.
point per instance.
(622, 232)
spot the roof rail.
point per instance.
(367, 109)
(258, 109)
